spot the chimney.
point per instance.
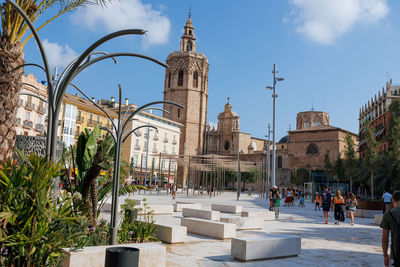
(77, 95)
(93, 99)
(126, 101)
(112, 99)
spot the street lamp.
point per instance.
(274, 96)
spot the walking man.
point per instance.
(391, 222)
(326, 202)
(387, 200)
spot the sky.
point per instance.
(334, 55)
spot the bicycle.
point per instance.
(275, 207)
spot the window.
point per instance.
(195, 79)
(137, 142)
(27, 116)
(135, 160)
(165, 136)
(180, 78)
(39, 119)
(173, 150)
(190, 32)
(144, 160)
(169, 80)
(146, 144)
(179, 113)
(279, 162)
(153, 162)
(165, 149)
(189, 46)
(312, 150)
(163, 164)
(154, 146)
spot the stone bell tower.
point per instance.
(186, 83)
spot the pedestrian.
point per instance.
(288, 196)
(351, 204)
(326, 202)
(317, 199)
(302, 200)
(387, 200)
(339, 203)
(391, 222)
(173, 191)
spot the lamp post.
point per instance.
(274, 96)
(268, 159)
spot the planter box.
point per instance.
(150, 255)
(370, 204)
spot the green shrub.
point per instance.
(140, 230)
(35, 224)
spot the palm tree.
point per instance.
(13, 37)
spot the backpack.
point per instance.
(326, 198)
(396, 254)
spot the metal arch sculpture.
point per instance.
(56, 93)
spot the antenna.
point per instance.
(190, 11)
(388, 75)
(228, 99)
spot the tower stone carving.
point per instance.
(186, 83)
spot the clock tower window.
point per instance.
(195, 79)
(180, 78)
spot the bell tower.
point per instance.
(186, 83)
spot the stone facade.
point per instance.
(310, 119)
(186, 83)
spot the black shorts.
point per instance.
(326, 207)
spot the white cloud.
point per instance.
(58, 55)
(127, 14)
(323, 21)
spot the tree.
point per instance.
(230, 177)
(338, 167)
(350, 160)
(12, 41)
(371, 158)
(249, 177)
(393, 138)
(300, 176)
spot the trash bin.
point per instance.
(122, 257)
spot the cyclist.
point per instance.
(275, 200)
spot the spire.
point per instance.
(188, 40)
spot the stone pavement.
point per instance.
(322, 245)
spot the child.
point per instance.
(302, 200)
(317, 199)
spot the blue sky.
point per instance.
(333, 54)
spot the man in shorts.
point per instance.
(391, 222)
(326, 196)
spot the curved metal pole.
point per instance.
(29, 64)
(38, 97)
(98, 106)
(126, 135)
(147, 105)
(102, 53)
(108, 130)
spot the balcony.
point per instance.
(39, 127)
(165, 140)
(137, 147)
(41, 110)
(79, 119)
(155, 138)
(155, 150)
(174, 142)
(91, 122)
(27, 124)
(30, 106)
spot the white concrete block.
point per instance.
(201, 214)
(265, 247)
(245, 223)
(180, 206)
(366, 213)
(265, 214)
(150, 255)
(107, 207)
(214, 229)
(156, 209)
(227, 208)
(378, 219)
(171, 233)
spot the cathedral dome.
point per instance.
(284, 139)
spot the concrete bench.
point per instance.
(366, 213)
(265, 247)
(171, 233)
(226, 208)
(266, 215)
(245, 223)
(208, 228)
(150, 255)
(378, 219)
(201, 214)
(180, 206)
(156, 209)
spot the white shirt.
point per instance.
(289, 194)
(387, 197)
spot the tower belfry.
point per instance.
(188, 41)
(186, 83)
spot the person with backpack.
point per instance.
(326, 196)
(391, 222)
(339, 203)
(351, 206)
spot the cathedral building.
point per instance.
(186, 83)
